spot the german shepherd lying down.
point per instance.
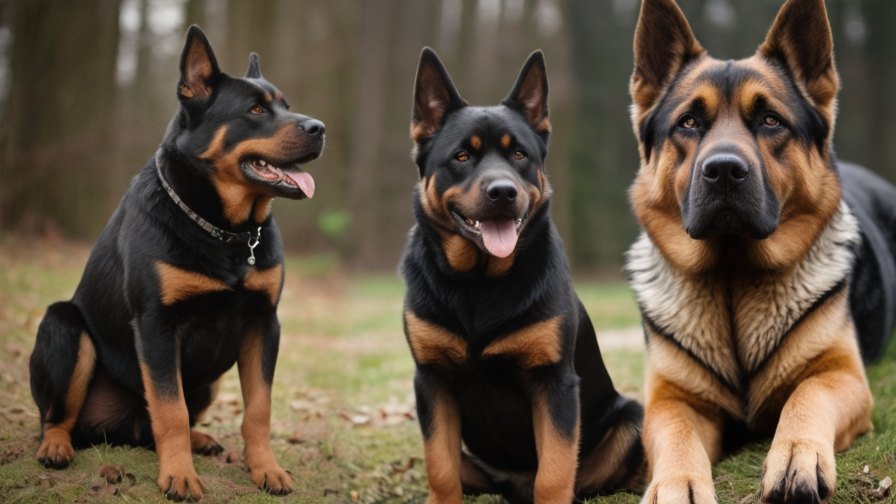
(765, 272)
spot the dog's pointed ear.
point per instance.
(199, 70)
(529, 95)
(664, 43)
(254, 70)
(801, 39)
(434, 96)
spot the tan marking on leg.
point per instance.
(535, 345)
(268, 280)
(264, 470)
(171, 432)
(178, 284)
(442, 452)
(433, 344)
(56, 447)
(829, 408)
(557, 456)
(682, 439)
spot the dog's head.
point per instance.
(240, 131)
(735, 155)
(482, 177)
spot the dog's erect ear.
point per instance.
(664, 43)
(801, 39)
(199, 70)
(529, 95)
(434, 96)
(254, 71)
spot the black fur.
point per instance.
(118, 302)
(495, 394)
(872, 290)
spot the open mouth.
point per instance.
(288, 178)
(497, 235)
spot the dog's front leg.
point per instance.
(163, 390)
(258, 355)
(555, 421)
(439, 418)
(682, 438)
(826, 412)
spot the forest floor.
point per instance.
(343, 414)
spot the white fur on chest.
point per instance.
(733, 324)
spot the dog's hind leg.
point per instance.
(62, 365)
(199, 401)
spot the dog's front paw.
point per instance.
(683, 488)
(203, 444)
(55, 452)
(798, 471)
(181, 486)
(271, 478)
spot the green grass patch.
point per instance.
(343, 407)
(610, 305)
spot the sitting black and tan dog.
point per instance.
(183, 283)
(512, 394)
(766, 272)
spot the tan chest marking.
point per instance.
(178, 284)
(267, 280)
(433, 344)
(532, 346)
(737, 327)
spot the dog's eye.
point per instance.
(687, 122)
(257, 109)
(462, 156)
(519, 155)
(771, 120)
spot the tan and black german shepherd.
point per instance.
(765, 272)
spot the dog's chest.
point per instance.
(531, 346)
(177, 285)
(733, 324)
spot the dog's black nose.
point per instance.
(501, 191)
(724, 169)
(314, 127)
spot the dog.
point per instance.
(512, 394)
(183, 282)
(765, 270)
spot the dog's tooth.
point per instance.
(262, 162)
(478, 225)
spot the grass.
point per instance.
(343, 406)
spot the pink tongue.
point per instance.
(303, 180)
(499, 236)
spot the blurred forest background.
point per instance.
(87, 89)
